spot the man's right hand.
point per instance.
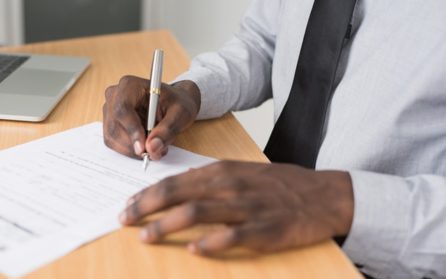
(125, 116)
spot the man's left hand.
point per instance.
(266, 207)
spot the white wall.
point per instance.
(203, 25)
(198, 24)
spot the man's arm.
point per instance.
(266, 207)
(396, 225)
(399, 225)
(238, 76)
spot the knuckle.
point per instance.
(241, 186)
(126, 79)
(109, 92)
(193, 212)
(166, 189)
(133, 131)
(234, 182)
(256, 207)
(155, 229)
(120, 109)
(235, 236)
(222, 166)
(225, 181)
(230, 183)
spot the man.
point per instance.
(358, 88)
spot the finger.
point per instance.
(131, 95)
(165, 132)
(155, 148)
(163, 152)
(191, 185)
(120, 147)
(132, 125)
(193, 213)
(116, 138)
(168, 192)
(256, 235)
(109, 92)
(134, 91)
(215, 242)
(111, 128)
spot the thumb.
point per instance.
(163, 134)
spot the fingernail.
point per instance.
(130, 201)
(144, 234)
(192, 248)
(138, 148)
(123, 217)
(156, 144)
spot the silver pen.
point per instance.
(155, 91)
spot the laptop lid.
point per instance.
(35, 87)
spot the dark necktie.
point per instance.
(297, 135)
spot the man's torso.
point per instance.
(388, 110)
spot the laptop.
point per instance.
(32, 85)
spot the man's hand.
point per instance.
(266, 207)
(125, 116)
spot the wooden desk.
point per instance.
(120, 254)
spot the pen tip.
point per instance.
(145, 163)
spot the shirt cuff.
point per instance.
(380, 223)
(213, 103)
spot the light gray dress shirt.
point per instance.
(386, 123)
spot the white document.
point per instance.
(62, 191)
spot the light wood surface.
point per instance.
(120, 254)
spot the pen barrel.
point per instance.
(157, 71)
(153, 105)
(155, 87)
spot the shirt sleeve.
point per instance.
(238, 75)
(399, 225)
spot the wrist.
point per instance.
(343, 202)
(191, 89)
